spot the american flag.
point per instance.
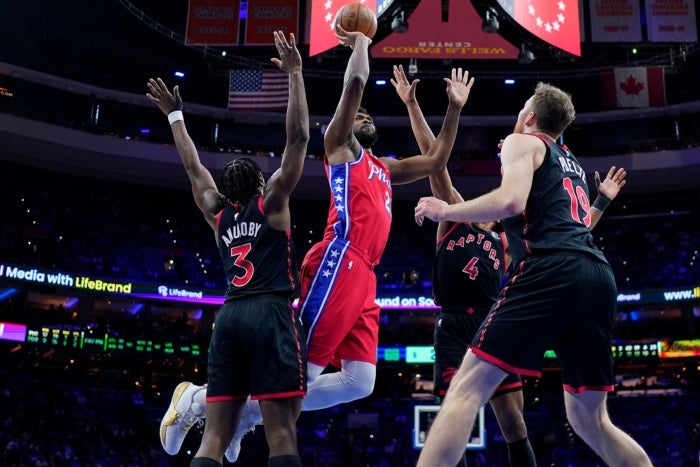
(258, 90)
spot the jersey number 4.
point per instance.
(471, 269)
(238, 253)
(579, 199)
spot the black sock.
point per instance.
(520, 454)
(284, 461)
(204, 462)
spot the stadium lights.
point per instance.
(398, 23)
(525, 56)
(490, 24)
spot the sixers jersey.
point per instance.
(257, 259)
(468, 266)
(360, 210)
(557, 214)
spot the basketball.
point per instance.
(357, 17)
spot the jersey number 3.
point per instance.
(238, 253)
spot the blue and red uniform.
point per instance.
(338, 284)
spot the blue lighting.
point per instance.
(179, 74)
(7, 293)
(380, 82)
(144, 131)
(509, 81)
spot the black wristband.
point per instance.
(601, 202)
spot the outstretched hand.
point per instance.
(290, 59)
(165, 100)
(349, 38)
(459, 86)
(613, 182)
(430, 207)
(405, 90)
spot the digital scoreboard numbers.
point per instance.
(91, 340)
(646, 350)
(56, 337)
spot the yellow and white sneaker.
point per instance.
(182, 414)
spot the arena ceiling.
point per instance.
(119, 44)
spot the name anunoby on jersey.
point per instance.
(242, 229)
(479, 239)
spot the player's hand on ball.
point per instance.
(349, 38)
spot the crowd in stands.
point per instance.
(151, 234)
(56, 416)
(60, 407)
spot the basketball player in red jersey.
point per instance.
(561, 294)
(338, 284)
(338, 291)
(257, 347)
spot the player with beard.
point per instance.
(338, 284)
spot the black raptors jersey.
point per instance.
(257, 258)
(468, 267)
(557, 215)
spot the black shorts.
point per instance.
(565, 302)
(453, 334)
(258, 348)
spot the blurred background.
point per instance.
(110, 280)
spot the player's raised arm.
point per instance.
(440, 183)
(608, 190)
(417, 167)
(339, 142)
(283, 181)
(204, 189)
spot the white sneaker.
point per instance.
(246, 425)
(182, 414)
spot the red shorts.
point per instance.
(337, 303)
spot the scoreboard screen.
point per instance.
(90, 340)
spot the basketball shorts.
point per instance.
(562, 301)
(337, 303)
(454, 332)
(257, 349)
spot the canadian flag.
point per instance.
(634, 87)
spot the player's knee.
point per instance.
(364, 388)
(361, 379)
(586, 425)
(513, 428)
(282, 440)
